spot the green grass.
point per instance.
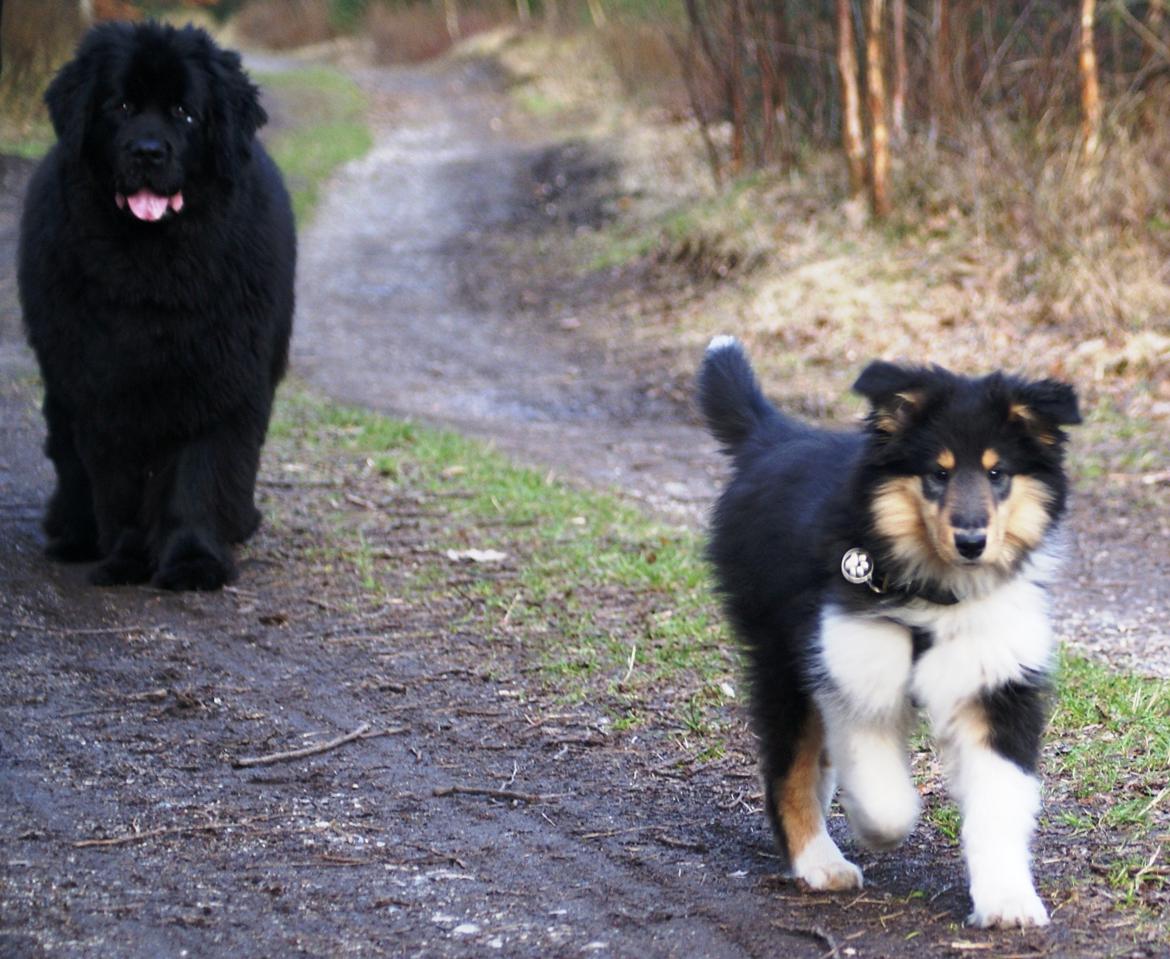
(31, 141)
(328, 128)
(622, 603)
(1112, 733)
(729, 219)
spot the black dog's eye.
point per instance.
(996, 475)
(941, 475)
(124, 107)
(179, 113)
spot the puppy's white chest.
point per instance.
(977, 644)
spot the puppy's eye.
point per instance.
(996, 475)
(941, 475)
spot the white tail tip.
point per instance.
(722, 342)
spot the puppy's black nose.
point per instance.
(970, 543)
(148, 150)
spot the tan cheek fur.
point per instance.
(910, 522)
(1024, 515)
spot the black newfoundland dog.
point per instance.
(156, 275)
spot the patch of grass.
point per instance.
(729, 222)
(621, 603)
(30, 140)
(1111, 737)
(328, 129)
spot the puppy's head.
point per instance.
(964, 474)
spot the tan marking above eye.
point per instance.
(1021, 411)
(990, 459)
(946, 460)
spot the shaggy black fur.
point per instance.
(156, 270)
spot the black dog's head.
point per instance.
(160, 118)
(966, 474)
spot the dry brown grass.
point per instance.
(285, 24)
(1005, 251)
(418, 32)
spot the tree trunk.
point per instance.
(762, 17)
(940, 65)
(451, 15)
(596, 13)
(851, 139)
(36, 37)
(686, 60)
(1155, 17)
(898, 97)
(735, 91)
(1090, 87)
(879, 143)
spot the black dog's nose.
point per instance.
(148, 150)
(970, 543)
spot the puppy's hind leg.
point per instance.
(797, 796)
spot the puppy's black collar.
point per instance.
(857, 566)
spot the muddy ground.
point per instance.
(130, 827)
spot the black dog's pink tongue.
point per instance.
(148, 205)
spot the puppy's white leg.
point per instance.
(873, 768)
(999, 801)
(867, 716)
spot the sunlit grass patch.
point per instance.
(620, 604)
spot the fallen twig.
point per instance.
(507, 794)
(816, 932)
(213, 826)
(362, 732)
(95, 631)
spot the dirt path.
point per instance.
(406, 307)
(128, 829)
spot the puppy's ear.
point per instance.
(1044, 406)
(236, 111)
(895, 392)
(68, 98)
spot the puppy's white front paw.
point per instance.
(833, 877)
(821, 866)
(1006, 910)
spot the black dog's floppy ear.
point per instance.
(237, 114)
(68, 99)
(1043, 407)
(895, 393)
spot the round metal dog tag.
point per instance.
(856, 566)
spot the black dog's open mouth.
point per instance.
(149, 206)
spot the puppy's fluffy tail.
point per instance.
(730, 397)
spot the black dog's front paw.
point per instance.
(192, 562)
(127, 563)
(67, 549)
(120, 569)
(72, 532)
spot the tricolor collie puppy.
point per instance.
(872, 573)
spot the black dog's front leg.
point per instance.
(117, 498)
(205, 505)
